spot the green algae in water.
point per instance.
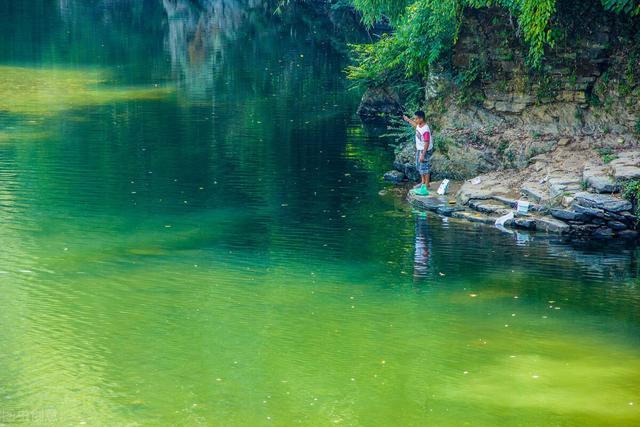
(275, 344)
(145, 281)
(48, 91)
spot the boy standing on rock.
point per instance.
(424, 149)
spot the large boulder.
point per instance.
(551, 225)
(394, 177)
(626, 166)
(481, 188)
(603, 233)
(378, 103)
(602, 201)
(536, 191)
(563, 183)
(598, 178)
(568, 215)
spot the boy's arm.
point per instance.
(411, 122)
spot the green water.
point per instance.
(192, 235)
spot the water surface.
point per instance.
(192, 235)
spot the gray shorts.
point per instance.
(423, 168)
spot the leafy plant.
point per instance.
(502, 147)
(606, 154)
(631, 192)
(442, 144)
(548, 88)
(426, 30)
(467, 80)
(584, 185)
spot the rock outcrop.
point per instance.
(379, 103)
(504, 114)
(565, 137)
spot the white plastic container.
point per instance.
(522, 207)
(444, 186)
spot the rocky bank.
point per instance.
(564, 138)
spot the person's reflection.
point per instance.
(423, 247)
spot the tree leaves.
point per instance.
(425, 30)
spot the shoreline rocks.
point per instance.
(589, 215)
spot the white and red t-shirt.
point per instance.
(423, 138)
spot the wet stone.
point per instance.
(629, 217)
(568, 215)
(628, 234)
(487, 207)
(552, 225)
(602, 201)
(448, 210)
(617, 225)
(526, 223)
(592, 212)
(603, 233)
(474, 217)
(394, 177)
(584, 228)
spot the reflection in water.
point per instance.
(423, 247)
(198, 31)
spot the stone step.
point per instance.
(537, 192)
(487, 207)
(602, 201)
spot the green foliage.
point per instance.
(502, 147)
(442, 144)
(467, 81)
(631, 7)
(631, 192)
(426, 30)
(548, 88)
(400, 132)
(593, 100)
(606, 154)
(423, 32)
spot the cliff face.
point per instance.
(491, 112)
(587, 68)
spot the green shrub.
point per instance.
(468, 82)
(441, 144)
(425, 31)
(548, 88)
(502, 147)
(607, 154)
(631, 192)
